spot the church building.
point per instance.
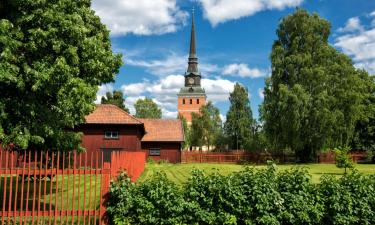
(192, 96)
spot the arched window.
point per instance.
(191, 101)
(198, 101)
(183, 101)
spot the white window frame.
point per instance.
(154, 152)
(111, 135)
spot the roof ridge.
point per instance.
(123, 111)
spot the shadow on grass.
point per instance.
(15, 196)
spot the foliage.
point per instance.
(239, 126)
(315, 96)
(158, 201)
(53, 56)
(115, 98)
(250, 196)
(343, 159)
(147, 108)
(348, 200)
(186, 131)
(206, 126)
(196, 130)
(365, 128)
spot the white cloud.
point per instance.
(140, 17)
(360, 46)
(103, 89)
(223, 118)
(373, 20)
(261, 93)
(353, 24)
(243, 70)
(220, 11)
(218, 90)
(164, 92)
(171, 64)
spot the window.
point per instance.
(191, 101)
(111, 135)
(198, 101)
(154, 152)
(183, 101)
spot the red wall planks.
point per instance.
(94, 140)
(169, 151)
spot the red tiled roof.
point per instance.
(168, 130)
(110, 114)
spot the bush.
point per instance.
(250, 196)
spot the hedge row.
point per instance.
(251, 196)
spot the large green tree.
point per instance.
(115, 98)
(240, 125)
(314, 97)
(206, 127)
(147, 108)
(364, 137)
(53, 56)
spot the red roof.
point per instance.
(110, 114)
(163, 130)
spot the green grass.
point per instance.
(43, 187)
(179, 173)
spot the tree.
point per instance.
(205, 126)
(196, 130)
(53, 56)
(343, 159)
(146, 108)
(364, 137)
(314, 96)
(186, 131)
(116, 98)
(240, 125)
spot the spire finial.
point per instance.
(193, 59)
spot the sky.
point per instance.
(234, 41)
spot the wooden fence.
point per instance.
(329, 157)
(233, 157)
(250, 157)
(55, 187)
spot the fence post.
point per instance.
(106, 177)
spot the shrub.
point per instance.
(250, 196)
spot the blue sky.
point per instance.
(234, 40)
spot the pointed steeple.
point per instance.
(193, 59)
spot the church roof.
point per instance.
(188, 91)
(163, 130)
(110, 114)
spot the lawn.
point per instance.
(42, 189)
(179, 173)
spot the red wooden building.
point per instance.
(110, 128)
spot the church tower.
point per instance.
(192, 96)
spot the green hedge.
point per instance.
(251, 196)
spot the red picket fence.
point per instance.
(233, 157)
(133, 167)
(56, 187)
(329, 157)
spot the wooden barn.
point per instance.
(163, 137)
(109, 128)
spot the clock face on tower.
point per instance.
(191, 80)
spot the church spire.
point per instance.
(193, 59)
